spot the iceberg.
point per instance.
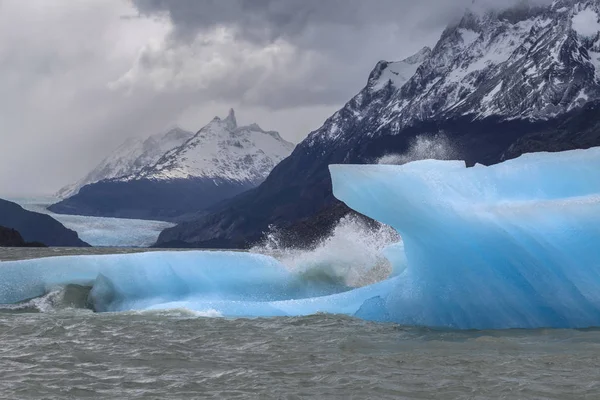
(514, 245)
(142, 281)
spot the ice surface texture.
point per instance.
(114, 232)
(148, 280)
(515, 245)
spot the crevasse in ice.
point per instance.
(515, 245)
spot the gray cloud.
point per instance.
(322, 51)
(268, 20)
(78, 78)
(283, 53)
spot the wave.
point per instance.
(57, 299)
(351, 255)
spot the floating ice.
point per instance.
(516, 245)
(138, 281)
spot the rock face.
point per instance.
(11, 238)
(130, 158)
(36, 227)
(219, 162)
(494, 87)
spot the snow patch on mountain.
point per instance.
(586, 22)
(468, 37)
(397, 73)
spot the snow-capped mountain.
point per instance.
(131, 157)
(496, 85)
(221, 150)
(220, 161)
(525, 62)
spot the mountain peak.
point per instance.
(129, 158)
(231, 120)
(221, 150)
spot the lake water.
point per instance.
(49, 352)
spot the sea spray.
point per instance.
(423, 147)
(350, 255)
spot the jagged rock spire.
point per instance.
(230, 120)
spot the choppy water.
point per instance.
(74, 353)
(179, 355)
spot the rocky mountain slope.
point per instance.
(495, 86)
(36, 227)
(131, 157)
(220, 161)
(12, 238)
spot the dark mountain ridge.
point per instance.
(12, 238)
(36, 227)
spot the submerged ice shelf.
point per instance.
(514, 245)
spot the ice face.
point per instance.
(141, 281)
(514, 245)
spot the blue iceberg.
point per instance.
(141, 281)
(515, 245)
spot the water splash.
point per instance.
(351, 255)
(424, 147)
(56, 299)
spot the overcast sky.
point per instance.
(78, 77)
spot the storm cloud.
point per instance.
(78, 78)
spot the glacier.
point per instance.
(113, 232)
(514, 245)
(101, 231)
